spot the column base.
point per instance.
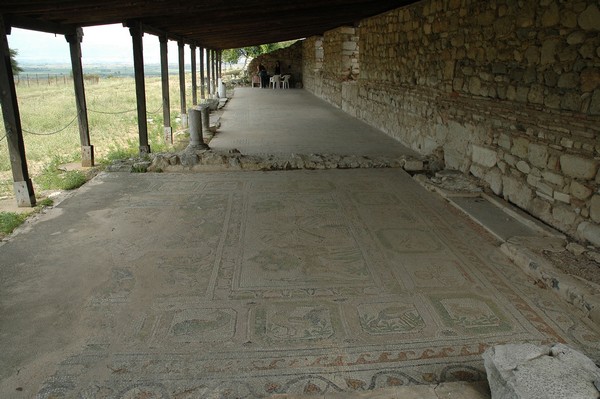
(168, 134)
(144, 150)
(87, 156)
(184, 120)
(24, 194)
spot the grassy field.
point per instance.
(112, 119)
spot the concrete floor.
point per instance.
(260, 284)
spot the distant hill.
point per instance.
(103, 70)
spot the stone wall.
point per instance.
(340, 49)
(508, 91)
(290, 60)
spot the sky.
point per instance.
(101, 44)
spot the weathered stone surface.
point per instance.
(516, 191)
(523, 166)
(484, 156)
(590, 232)
(595, 208)
(580, 191)
(562, 197)
(575, 248)
(494, 178)
(551, 15)
(590, 79)
(520, 147)
(595, 103)
(526, 371)
(589, 19)
(538, 155)
(578, 167)
(568, 80)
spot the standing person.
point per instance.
(264, 76)
(277, 68)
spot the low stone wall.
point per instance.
(507, 91)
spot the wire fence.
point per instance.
(75, 118)
(49, 79)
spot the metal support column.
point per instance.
(87, 150)
(135, 28)
(166, 102)
(12, 123)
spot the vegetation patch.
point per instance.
(10, 221)
(52, 178)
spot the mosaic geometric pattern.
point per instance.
(251, 284)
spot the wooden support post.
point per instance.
(184, 121)
(135, 28)
(12, 123)
(194, 85)
(166, 103)
(87, 150)
(202, 96)
(208, 77)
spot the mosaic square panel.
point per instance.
(294, 323)
(390, 318)
(470, 313)
(433, 273)
(203, 325)
(186, 325)
(408, 240)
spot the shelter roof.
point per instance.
(215, 24)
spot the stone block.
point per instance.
(523, 167)
(568, 80)
(527, 371)
(595, 103)
(553, 178)
(595, 208)
(564, 217)
(517, 191)
(494, 178)
(578, 167)
(504, 141)
(589, 19)
(477, 170)
(580, 191)
(520, 147)
(484, 156)
(549, 51)
(562, 197)
(590, 232)
(590, 79)
(538, 155)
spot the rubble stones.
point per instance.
(527, 371)
(209, 160)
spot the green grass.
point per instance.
(112, 119)
(10, 221)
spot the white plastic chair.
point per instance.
(275, 81)
(285, 83)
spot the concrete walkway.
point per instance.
(334, 283)
(267, 121)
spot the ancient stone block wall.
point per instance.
(339, 63)
(312, 64)
(508, 91)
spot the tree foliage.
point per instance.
(232, 56)
(16, 69)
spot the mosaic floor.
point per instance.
(252, 284)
